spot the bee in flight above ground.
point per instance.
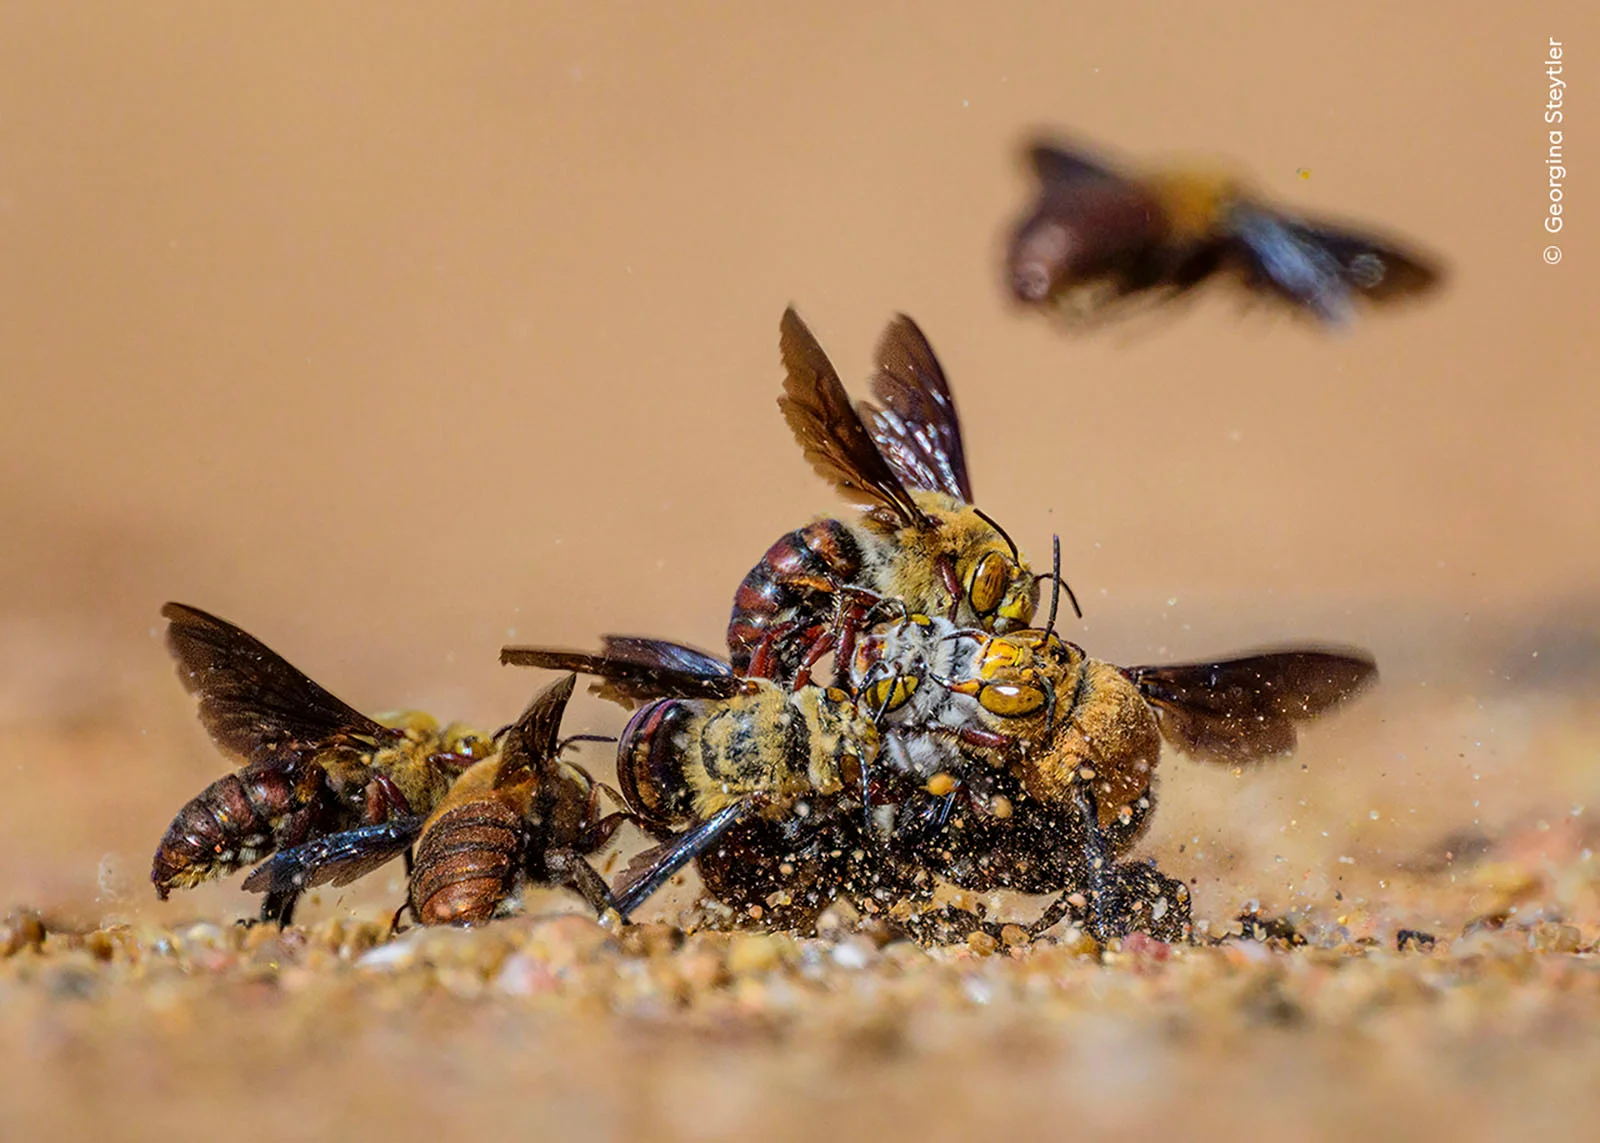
(1096, 237)
(313, 765)
(1046, 780)
(920, 541)
(520, 817)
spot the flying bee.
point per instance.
(1048, 776)
(754, 781)
(522, 816)
(313, 765)
(920, 540)
(1096, 237)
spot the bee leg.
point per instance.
(1108, 916)
(384, 800)
(600, 833)
(854, 611)
(574, 871)
(394, 921)
(986, 739)
(946, 568)
(764, 662)
(821, 644)
(278, 908)
(1062, 908)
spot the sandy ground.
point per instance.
(394, 341)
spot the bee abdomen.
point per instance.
(650, 763)
(228, 825)
(783, 586)
(465, 864)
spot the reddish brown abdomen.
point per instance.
(466, 863)
(231, 823)
(791, 589)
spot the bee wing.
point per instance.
(916, 429)
(1378, 269)
(653, 868)
(1243, 710)
(829, 430)
(1055, 163)
(637, 669)
(1321, 267)
(338, 858)
(252, 701)
(534, 738)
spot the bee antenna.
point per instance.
(1054, 574)
(1016, 556)
(571, 738)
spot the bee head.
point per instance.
(464, 742)
(1002, 592)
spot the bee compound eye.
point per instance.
(1011, 700)
(987, 587)
(891, 694)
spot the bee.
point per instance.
(919, 541)
(1096, 237)
(312, 764)
(521, 816)
(754, 781)
(1046, 777)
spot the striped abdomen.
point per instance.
(232, 823)
(650, 763)
(791, 590)
(466, 863)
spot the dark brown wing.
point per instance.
(1322, 267)
(666, 656)
(1055, 163)
(253, 702)
(1243, 710)
(535, 738)
(636, 669)
(915, 428)
(653, 868)
(339, 858)
(830, 432)
(1375, 267)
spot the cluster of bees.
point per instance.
(954, 741)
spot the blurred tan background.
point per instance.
(395, 337)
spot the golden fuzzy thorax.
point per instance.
(1105, 726)
(410, 764)
(903, 563)
(1194, 201)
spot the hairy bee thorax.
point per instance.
(1194, 201)
(421, 766)
(1105, 734)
